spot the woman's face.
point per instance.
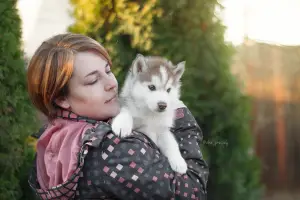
(92, 89)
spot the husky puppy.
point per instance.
(149, 98)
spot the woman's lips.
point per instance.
(112, 99)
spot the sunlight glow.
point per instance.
(270, 21)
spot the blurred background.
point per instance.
(241, 82)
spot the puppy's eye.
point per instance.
(168, 90)
(151, 87)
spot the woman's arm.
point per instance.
(133, 168)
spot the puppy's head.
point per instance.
(157, 82)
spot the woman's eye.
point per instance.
(93, 82)
(151, 87)
(107, 69)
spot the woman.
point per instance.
(78, 156)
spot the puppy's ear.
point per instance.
(139, 64)
(179, 70)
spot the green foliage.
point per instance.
(191, 31)
(17, 118)
(123, 27)
(26, 191)
(195, 34)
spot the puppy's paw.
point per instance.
(178, 164)
(122, 125)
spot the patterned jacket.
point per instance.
(133, 168)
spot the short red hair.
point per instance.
(51, 68)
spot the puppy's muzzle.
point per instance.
(161, 106)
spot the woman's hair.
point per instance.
(51, 68)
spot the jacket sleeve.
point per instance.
(133, 167)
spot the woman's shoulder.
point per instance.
(102, 136)
(96, 140)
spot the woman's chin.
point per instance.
(115, 111)
(111, 111)
(105, 111)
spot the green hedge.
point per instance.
(17, 117)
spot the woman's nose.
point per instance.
(110, 85)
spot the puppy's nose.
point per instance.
(162, 105)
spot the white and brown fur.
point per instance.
(150, 111)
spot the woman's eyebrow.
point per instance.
(96, 71)
(91, 73)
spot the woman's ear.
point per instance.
(62, 102)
